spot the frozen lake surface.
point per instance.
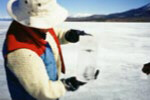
(119, 50)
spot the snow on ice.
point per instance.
(119, 50)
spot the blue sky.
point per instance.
(101, 6)
(85, 7)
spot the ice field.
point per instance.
(119, 50)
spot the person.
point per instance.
(146, 68)
(32, 53)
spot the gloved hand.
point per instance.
(72, 84)
(73, 35)
(146, 68)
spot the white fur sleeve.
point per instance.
(30, 70)
(61, 35)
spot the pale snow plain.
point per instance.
(119, 51)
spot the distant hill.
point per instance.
(5, 19)
(141, 14)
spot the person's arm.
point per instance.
(61, 35)
(71, 35)
(30, 71)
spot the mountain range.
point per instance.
(141, 14)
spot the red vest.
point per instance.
(25, 37)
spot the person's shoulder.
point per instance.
(23, 52)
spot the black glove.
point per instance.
(72, 84)
(73, 35)
(146, 68)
